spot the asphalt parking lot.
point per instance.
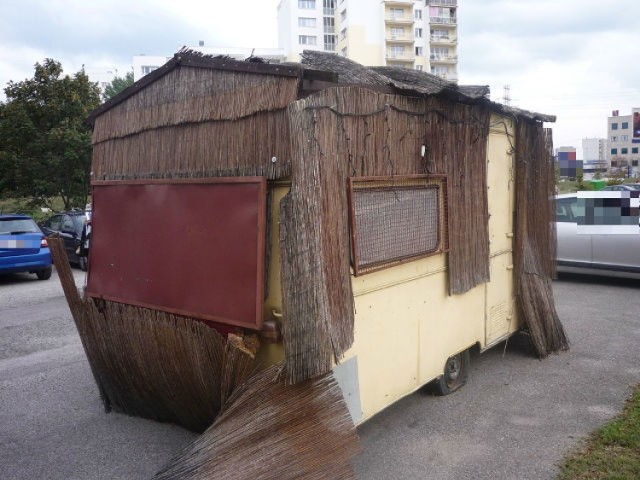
(515, 419)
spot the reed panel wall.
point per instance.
(535, 238)
(351, 131)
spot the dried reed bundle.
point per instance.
(188, 95)
(535, 239)
(243, 147)
(269, 430)
(153, 364)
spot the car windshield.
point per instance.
(14, 226)
(78, 221)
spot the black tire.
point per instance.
(82, 262)
(456, 372)
(44, 274)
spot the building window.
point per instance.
(624, 138)
(396, 13)
(614, 151)
(439, 53)
(634, 149)
(418, 14)
(307, 22)
(614, 138)
(625, 125)
(440, 70)
(624, 151)
(396, 51)
(419, 51)
(614, 126)
(396, 221)
(397, 32)
(439, 34)
(419, 67)
(418, 33)
(343, 15)
(307, 4)
(343, 34)
(329, 7)
(329, 25)
(329, 43)
(344, 52)
(634, 163)
(147, 69)
(307, 40)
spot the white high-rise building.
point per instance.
(419, 34)
(594, 151)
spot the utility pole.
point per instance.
(506, 97)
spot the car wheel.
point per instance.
(44, 274)
(82, 262)
(456, 372)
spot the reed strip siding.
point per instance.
(343, 132)
(243, 147)
(535, 238)
(188, 95)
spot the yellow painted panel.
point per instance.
(500, 301)
(407, 326)
(500, 184)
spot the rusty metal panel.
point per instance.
(193, 247)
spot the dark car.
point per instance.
(23, 247)
(70, 226)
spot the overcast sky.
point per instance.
(577, 59)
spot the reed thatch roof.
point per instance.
(320, 70)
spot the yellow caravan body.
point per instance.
(406, 323)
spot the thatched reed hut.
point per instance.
(376, 222)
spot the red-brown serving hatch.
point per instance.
(193, 247)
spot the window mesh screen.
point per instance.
(396, 220)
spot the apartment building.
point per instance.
(623, 132)
(418, 34)
(594, 154)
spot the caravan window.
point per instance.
(395, 220)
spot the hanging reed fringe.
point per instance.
(349, 132)
(268, 430)
(153, 364)
(535, 238)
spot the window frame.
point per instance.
(402, 182)
(307, 4)
(307, 39)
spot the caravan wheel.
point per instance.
(456, 371)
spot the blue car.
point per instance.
(23, 247)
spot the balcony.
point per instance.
(449, 77)
(400, 57)
(442, 3)
(438, 58)
(443, 20)
(443, 40)
(399, 19)
(405, 39)
(399, 3)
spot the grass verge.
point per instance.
(611, 452)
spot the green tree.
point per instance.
(45, 146)
(117, 85)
